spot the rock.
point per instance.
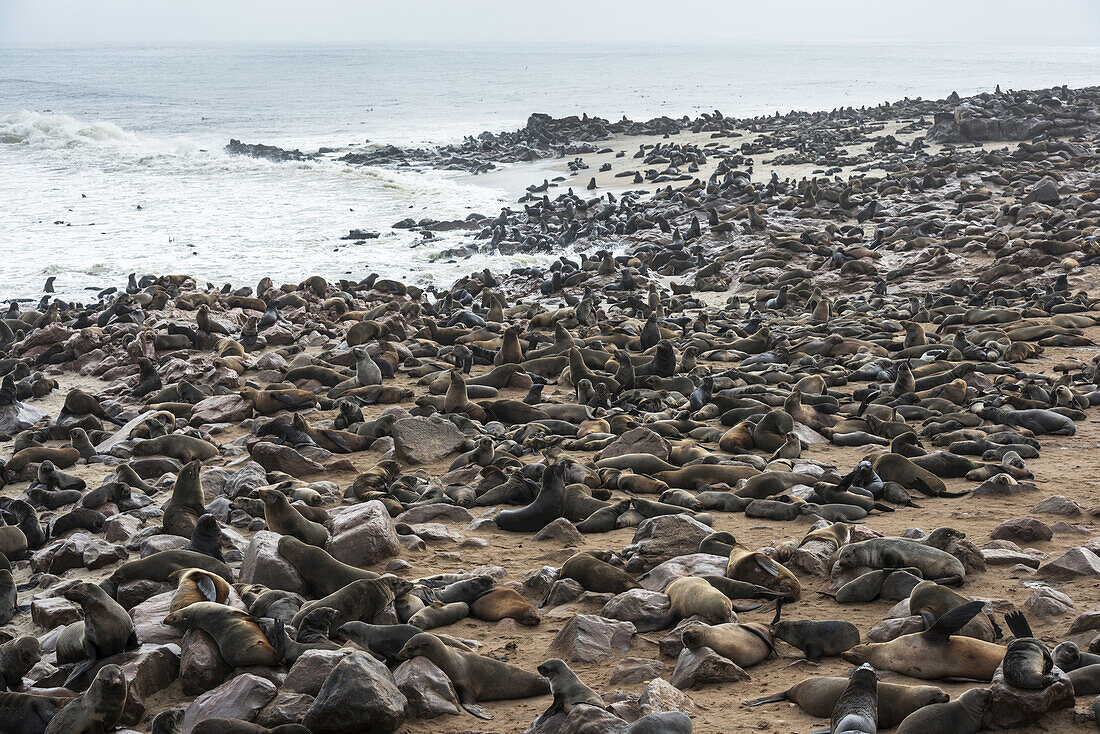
(1090, 620)
(240, 697)
(561, 531)
(363, 535)
(660, 696)
(153, 668)
(1064, 528)
(693, 564)
(636, 670)
(248, 477)
(132, 593)
(639, 440)
(149, 617)
(424, 440)
(49, 612)
(889, 629)
(360, 694)
(563, 592)
(539, 581)
(263, 565)
(661, 722)
(202, 667)
(646, 610)
(1022, 530)
(1013, 708)
(587, 638)
(120, 528)
(276, 457)
(1046, 603)
(658, 539)
(287, 707)
(703, 665)
(1006, 557)
(1058, 505)
(434, 511)
(312, 668)
(581, 719)
(62, 555)
(221, 409)
(19, 417)
(1074, 562)
(427, 688)
(435, 532)
(1045, 191)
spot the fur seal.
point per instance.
(547, 506)
(240, 639)
(938, 652)
(178, 446)
(857, 710)
(900, 553)
(285, 519)
(475, 677)
(962, 716)
(206, 538)
(108, 629)
(504, 603)
(159, 566)
(194, 585)
(597, 575)
(183, 509)
(29, 713)
(567, 689)
(744, 644)
(360, 600)
(322, 572)
(236, 726)
(98, 709)
(439, 614)
(818, 697)
(1027, 662)
(827, 638)
(690, 596)
(17, 657)
(938, 600)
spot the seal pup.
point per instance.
(475, 677)
(857, 710)
(816, 639)
(567, 689)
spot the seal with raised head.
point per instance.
(324, 574)
(692, 595)
(475, 677)
(360, 600)
(194, 585)
(567, 689)
(108, 629)
(98, 709)
(183, 509)
(285, 519)
(17, 657)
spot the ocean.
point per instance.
(112, 161)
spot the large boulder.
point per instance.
(424, 440)
(587, 638)
(263, 565)
(1014, 708)
(658, 539)
(427, 688)
(360, 694)
(240, 697)
(363, 535)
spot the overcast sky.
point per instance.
(488, 21)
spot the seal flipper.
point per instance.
(206, 587)
(469, 702)
(773, 698)
(1017, 624)
(762, 636)
(954, 620)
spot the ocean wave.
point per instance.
(53, 130)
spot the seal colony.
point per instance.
(783, 437)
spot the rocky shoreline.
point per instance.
(320, 505)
